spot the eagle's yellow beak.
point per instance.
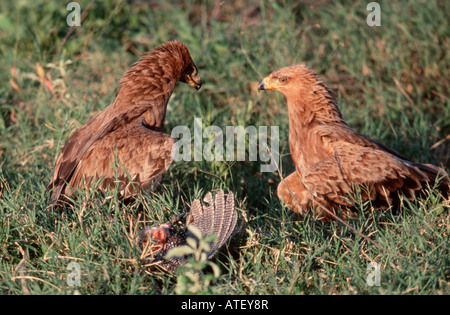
(264, 84)
(195, 81)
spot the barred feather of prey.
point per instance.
(215, 217)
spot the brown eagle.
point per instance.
(124, 144)
(335, 165)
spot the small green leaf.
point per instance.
(215, 268)
(179, 251)
(191, 242)
(195, 230)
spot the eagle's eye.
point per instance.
(282, 80)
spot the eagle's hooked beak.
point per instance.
(195, 81)
(264, 84)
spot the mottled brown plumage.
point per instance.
(217, 217)
(124, 144)
(333, 161)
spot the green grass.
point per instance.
(392, 83)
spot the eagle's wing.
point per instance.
(357, 163)
(77, 146)
(133, 156)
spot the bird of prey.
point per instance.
(124, 144)
(334, 164)
(217, 218)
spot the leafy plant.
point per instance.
(191, 277)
